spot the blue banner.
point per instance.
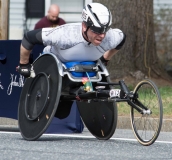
(11, 84)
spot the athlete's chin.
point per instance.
(96, 43)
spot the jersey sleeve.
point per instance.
(64, 36)
(114, 39)
(119, 46)
(52, 36)
(118, 37)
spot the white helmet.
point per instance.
(97, 17)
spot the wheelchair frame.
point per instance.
(134, 99)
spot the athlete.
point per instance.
(90, 40)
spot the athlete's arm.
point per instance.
(109, 54)
(29, 40)
(24, 55)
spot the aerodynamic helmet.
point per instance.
(97, 17)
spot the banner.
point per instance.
(11, 83)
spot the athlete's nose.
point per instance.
(102, 35)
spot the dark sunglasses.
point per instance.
(98, 30)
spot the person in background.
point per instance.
(52, 18)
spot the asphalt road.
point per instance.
(122, 146)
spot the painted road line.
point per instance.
(85, 137)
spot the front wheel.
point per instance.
(147, 125)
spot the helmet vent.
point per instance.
(96, 17)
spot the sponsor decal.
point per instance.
(1, 87)
(14, 82)
(24, 70)
(84, 16)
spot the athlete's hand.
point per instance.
(24, 69)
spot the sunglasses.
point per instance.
(99, 30)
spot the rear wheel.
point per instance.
(39, 98)
(147, 125)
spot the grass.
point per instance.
(166, 96)
(123, 109)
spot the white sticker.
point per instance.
(114, 93)
(84, 16)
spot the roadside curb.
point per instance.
(124, 122)
(8, 124)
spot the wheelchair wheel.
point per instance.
(99, 117)
(39, 98)
(147, 126)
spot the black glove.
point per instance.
(104, 61)
(24, 69)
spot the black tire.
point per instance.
(39, 98)
(146, 127)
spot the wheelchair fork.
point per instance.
(132, 99)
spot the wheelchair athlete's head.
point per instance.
(97, 20)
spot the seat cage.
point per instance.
(63, 70)
(96, 78)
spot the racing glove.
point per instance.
(104, 61)
(26, 70)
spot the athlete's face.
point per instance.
(93, 37)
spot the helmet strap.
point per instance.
(85, 32)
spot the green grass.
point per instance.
(166, 96)
(123, 109)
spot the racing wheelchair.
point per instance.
(56, 85)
